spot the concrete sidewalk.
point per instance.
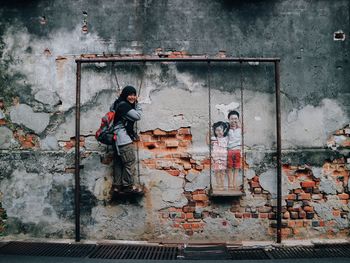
(29, 259)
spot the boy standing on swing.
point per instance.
(234, 149)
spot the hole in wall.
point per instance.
(339, 36)
(42, 20)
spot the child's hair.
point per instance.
(232, 112)
(224, 125)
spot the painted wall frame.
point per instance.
(156, 59)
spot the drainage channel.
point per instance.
(171, 252)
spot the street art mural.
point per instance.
(226, 154)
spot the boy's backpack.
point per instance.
(105, 134)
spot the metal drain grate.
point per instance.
(293, 252)
(135, 252)
(218, 252)
(248, 254)
(154, 252)
(317, 251)
(47, 249)
(334, 250)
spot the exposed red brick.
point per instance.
(264, 215)
(254, 184)
(189, 215)
(172, 144)
(238, 215)
(302, 214)
(184, 143)
(187, 226)
(286, 231)
(305, 196)
(173, 172)
(308, 184)
(291, 197)
(200, 197)
(184, 131)
(159, 132)
(201, 203)
(307, 223)
(286, 215)
(343, 196)
(272, 216)
(247, 215)
(189, 209)
(150, 145)
(291, 223)
(308, 209)
(195, 226)
(296, 231)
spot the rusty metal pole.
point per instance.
(279, 152)
(77, 155)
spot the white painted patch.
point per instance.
(257, 118)
(226, 108)
(310, 126)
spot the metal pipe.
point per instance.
(209, 123)
(172, 59)
(77, 155)
(279, 152)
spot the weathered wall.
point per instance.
(38, 44)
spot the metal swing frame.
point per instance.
(156, 59)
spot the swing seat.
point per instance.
(231, 193)
(135, 190)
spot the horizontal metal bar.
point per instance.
(171, 59)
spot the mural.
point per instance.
(226, 154)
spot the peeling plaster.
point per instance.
(24, 114)
(52, 74)
(164, 190)
(6, 138)
(310, 126)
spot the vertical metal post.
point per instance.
(209, 123)
(77, 155)
(279, 152)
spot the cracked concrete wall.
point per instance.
(38, 44)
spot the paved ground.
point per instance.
(27, 259)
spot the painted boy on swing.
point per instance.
(234, 149)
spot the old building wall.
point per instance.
(39, 42)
